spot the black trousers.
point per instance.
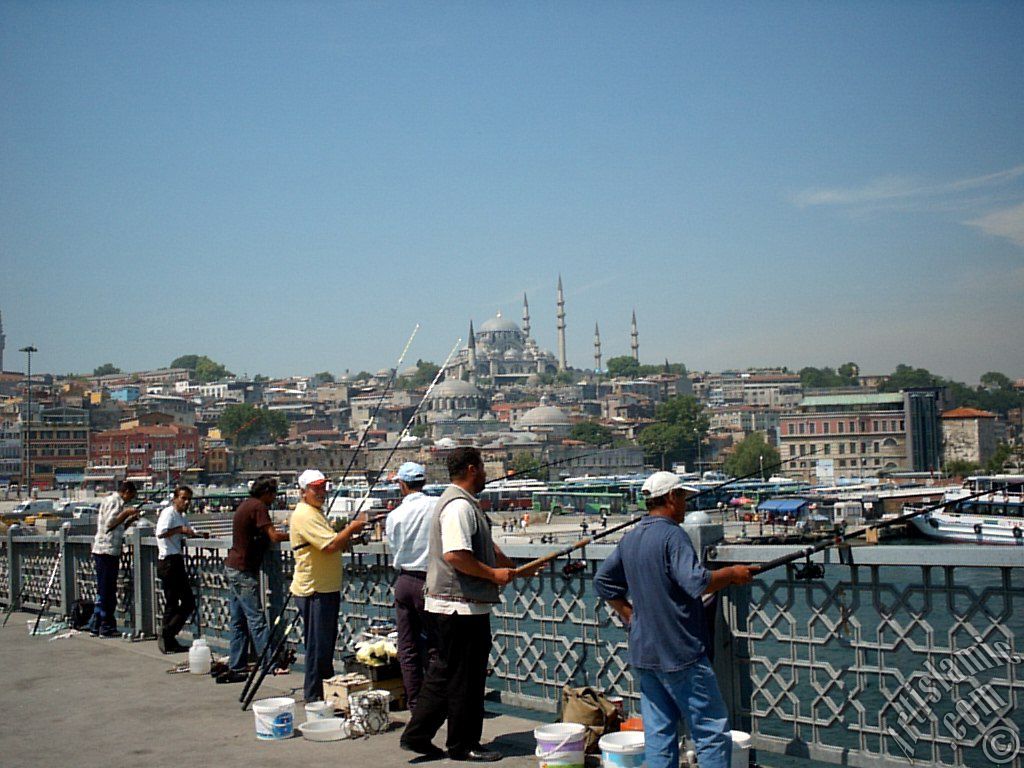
(453, 687)
(319, 614)
(415, 635)
(179, 602)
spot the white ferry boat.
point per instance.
(995, 517)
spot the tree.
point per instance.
(624, 365)
(205, 369)
(591, 432)
(663, 443)
(996, 380)
(565, 377)
(1003, 453)
(247, 424)
(527, 465)
(107, 369)
(906, 377)
(426, 371)
(961, 468)
(324, 377)
(823, 378)
(748, 456)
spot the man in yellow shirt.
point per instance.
(316, 582)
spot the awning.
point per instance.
(783, 506)
(69, 477)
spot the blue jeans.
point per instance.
(666, 698)
(247, 617)
(319, 614)
(104, 614)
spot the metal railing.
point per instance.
(910, 655)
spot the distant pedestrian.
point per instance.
(654, 581)
(252, 532)
(113, 518)
(408, 536)
(171, 530)
(316, 581)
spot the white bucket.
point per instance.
(275, 718)
(319, 710)
(561, 745)
(740, 749)
(624, 749)
(561, 759)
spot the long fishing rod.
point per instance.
(259, 672)
(373, 417)
(533, 564)
(815, 570)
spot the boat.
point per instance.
(995, 517)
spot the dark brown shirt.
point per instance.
(248, 539)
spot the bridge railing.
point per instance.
(910, 655)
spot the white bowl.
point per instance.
(329, 729)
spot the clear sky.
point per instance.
(291, 187)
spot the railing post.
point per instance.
(67, 569)
(13, 569)
(142, 579)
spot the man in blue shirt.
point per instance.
(654, 580)
(408, 533)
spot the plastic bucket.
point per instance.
(560, 737)
(561, 759)
(319, 710)
(740, 749)
(275, 718)
(624, 749)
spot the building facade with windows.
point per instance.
(832, 437)
(57, 447)
(147, 450)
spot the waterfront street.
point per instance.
(87, 702)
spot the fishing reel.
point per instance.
(572, 567)
(809, 571)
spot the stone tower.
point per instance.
(597, 348)
(3, 341)
(526, 317)
(561, 327)
(634, 343)
(472, 354)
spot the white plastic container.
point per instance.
(199, 657)
(319, 710)
(624, 749)
(328, 729)
(740, 749)
(275, 718)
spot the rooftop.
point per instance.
(879, 398)
(90, 703)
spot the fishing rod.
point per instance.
(811, 571)
(373, 417)
(533, 564)
(259, 672)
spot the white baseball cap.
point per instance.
(659, 484)
(311, 477)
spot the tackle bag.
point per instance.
(81, 613)
(591, 708)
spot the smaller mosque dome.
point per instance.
(499, 323)
(455, 388)
(544, 415)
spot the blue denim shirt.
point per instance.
(656, 568)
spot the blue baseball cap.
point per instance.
(411, 472)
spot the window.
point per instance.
(824, 428)
(901, 425)
(840, 426)
(874, 425)
(792, 450)
(810, 428)
(876, 447)
(801, 427)
(842, 448)
(863, 447)
(803, 450)
(842, 463)
(853, 447)
(853, 427)
(828, 448)
(792, 428)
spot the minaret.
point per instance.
(561, 327)
(526, 317)
(472, 354)
(3, 340)
(597, 349)
(635, 339)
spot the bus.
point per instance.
(563, 502)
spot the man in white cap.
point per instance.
(408, 534)
(654, 580)
(316, 582)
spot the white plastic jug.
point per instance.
(199, 657)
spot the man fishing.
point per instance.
(654, 581)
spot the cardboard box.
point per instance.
(337, 689)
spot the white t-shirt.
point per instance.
(108, 542)
(458, 524)
(169, 518)
(408, 532)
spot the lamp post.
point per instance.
(28, 419)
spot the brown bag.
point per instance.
(591, 708)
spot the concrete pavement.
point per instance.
(87, 702)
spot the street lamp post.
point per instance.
(28, 418)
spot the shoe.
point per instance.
(233, 676)
(475, 755)
(108, 634)
(421, 748)
(173, 646)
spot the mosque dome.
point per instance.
(445, 442)
(455, 388)
(544, 415)
(499, 323)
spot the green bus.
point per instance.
(579, 503)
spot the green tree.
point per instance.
(107, 369)
(205, 369)
(665, 443)
(324, 377)
(247, 424)
(591, 432)
(565, 377)
(362, 376)
(996, 380)
(850, 372)
(905, 377)
(623, 365)
(526, 465)
(426, 371)
(961, 468)
(1003, 453)
(748, 456)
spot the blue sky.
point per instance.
(291, 187)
